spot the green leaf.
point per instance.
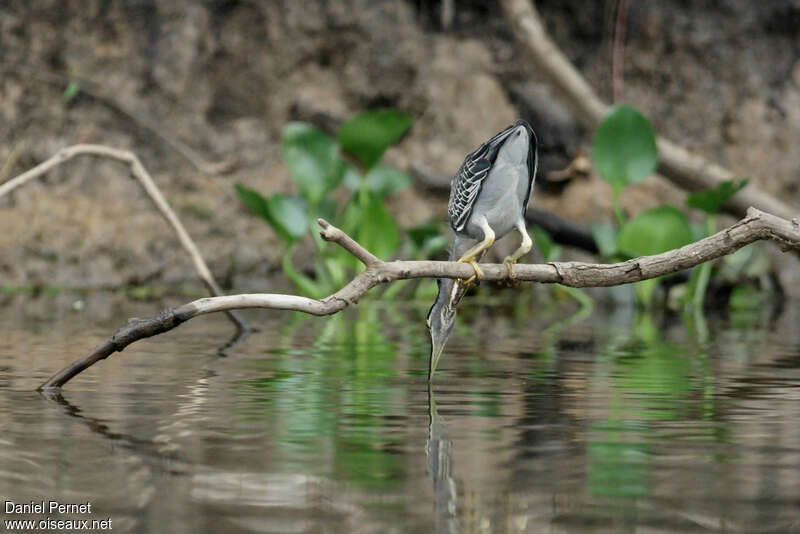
(545, 245)
(304, 284)
(427, 240)
(712, 200)
(350, 221)
(433, 246)
(378, 232)
(313, 160)
(327, 208)
(699, 230)
(644, 290)
(421, 233)
(352, 178)
(605, 235)
(385, 180)
(71, 91)
(253, 200)
(625, 147)
(654, 231)
(369, 134)
(287, 215)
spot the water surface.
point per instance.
(615, 422)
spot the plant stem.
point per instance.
(305, 284)
(617, 206)
(704, 270)
(393, 290)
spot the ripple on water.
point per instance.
(329, 426)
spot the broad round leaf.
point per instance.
(313, 160)
(369, 134)
(625, 147)
(385, 180)
(377, 230)
(288, 216)
(712, 200)
(654, 231)
(605, 235)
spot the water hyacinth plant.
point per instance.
(625, 153)
(319, 165)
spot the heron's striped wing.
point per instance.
(469, 179)
(465, 187)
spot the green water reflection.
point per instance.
(651, 382)
(557, 418)
(333, 399)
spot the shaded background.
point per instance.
(217, 80)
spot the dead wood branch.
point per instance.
(141, 174)
(757, 225)
(689, 171)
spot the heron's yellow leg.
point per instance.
(470, 255)
(523, 249)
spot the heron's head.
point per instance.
(442, 316)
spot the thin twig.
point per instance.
(141, 174)
(334, 235)
(688, 171)
(757, 225)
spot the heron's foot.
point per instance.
(509, 263)
(478, 271)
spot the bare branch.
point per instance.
(331, 233)
(757, 225)
(687, 170)
(141, 174)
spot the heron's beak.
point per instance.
(437, 347)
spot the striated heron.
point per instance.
(488, 198)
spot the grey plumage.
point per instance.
(468, 181)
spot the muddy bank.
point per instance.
(223, 78)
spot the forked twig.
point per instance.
(757, 225)
(141, 174)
